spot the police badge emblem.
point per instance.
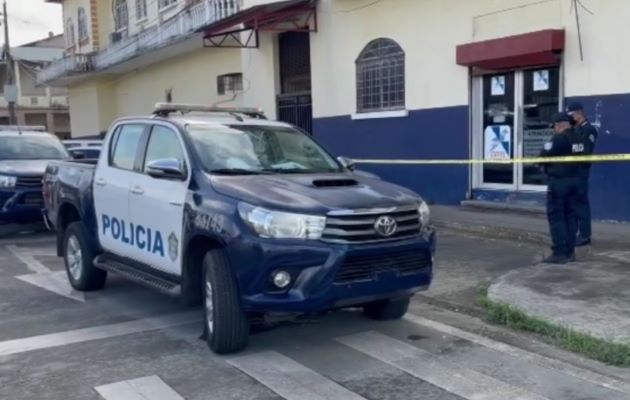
(172, 246)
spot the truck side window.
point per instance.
(163, 143)
(126, 146)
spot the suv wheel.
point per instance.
(78, 256)
(387, 309)
(226, 326)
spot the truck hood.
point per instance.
(24, 167)
(313, 193)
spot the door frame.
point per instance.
(477, 141)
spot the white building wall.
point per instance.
(192, 79)
(261, 80)
(430, 30)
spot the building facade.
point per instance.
(407, 79)
(36, 104)
(123, 56)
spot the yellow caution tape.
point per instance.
(524, 160)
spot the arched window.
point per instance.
(121, 15)
(381, 77)
(83, 24)
(70, 38)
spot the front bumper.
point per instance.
(21, 206)
(328, 276)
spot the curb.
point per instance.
(519, 235)
(496, 232)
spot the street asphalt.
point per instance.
(127, 342)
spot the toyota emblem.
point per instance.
(385, 226)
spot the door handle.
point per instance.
(100, 181)
(137, 190)
(175, 203)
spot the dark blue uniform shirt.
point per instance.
(567, 143)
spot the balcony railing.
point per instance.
(184, 24)
(69, 65)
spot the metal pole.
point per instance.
(10, 79)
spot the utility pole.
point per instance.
(10, 89)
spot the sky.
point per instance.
(30, 20)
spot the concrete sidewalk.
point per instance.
(526, 224)
(590, 296)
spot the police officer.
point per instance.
(562, 190)
(589, 134)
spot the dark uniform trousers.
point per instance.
(583, 206)
(562, 197)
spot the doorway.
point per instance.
(294, 103)
(512, 114)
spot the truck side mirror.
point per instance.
(166, 168)
(347, 163)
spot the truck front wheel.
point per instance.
(389, 309)
(226, 326)
(78, 257)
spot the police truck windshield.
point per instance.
(31, 147)
(240, 149)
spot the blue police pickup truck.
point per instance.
(24, 153)
(246, 216)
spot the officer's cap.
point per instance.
(560, 117)
(575, 106)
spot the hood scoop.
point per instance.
(334, 183)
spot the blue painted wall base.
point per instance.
(444, 133)
(424, 134)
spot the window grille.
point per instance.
(381, 77)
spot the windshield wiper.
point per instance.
(235, 171)
(298, 171)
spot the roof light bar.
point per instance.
(163, 109)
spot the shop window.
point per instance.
(121, 15)
(381, 77)
(83, 24)
(229, 83)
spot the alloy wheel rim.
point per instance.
(74, 258)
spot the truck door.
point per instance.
(157, 202)
(112, 181)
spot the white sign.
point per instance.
(497, 85)
(498, 142)
(541, 80)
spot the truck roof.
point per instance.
(185, 114)
(204, 119)
(23, 130)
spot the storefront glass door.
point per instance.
(513, 117)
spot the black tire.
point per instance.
(88, 277)
(230, 325)
(389, 309)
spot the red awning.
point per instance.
(283, 16)
(526, 50)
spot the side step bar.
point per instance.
(135, 275)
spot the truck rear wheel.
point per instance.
(226, 326)
(78, 257)
(389, 309)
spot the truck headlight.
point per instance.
(281, 225)
(425, 213)
(7, 181)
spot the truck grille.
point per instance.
(365, 268)
(359, 226)
(29, 181)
